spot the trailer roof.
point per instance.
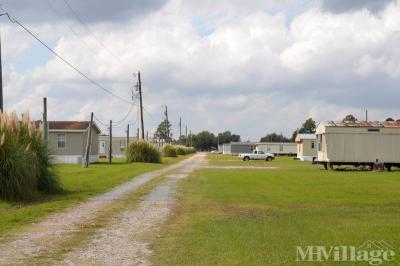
(361, 124)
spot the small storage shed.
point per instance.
(278, 148)
(238, 147)
(306, 147)
(358, 143)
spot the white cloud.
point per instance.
(253, 73)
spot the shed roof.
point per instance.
(361, 124)
(303, 136)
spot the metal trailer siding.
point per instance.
(305, 148)
(226, 148)
(287, 148)
(346, 144)
(240, 148)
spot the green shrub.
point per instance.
(24, 159)
(142, 151)
(169, 150)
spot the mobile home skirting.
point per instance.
(72, 159)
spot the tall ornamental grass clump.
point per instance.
(25, 165)
(190, 150)
(142, 151)
(182, 150)
(169, 150)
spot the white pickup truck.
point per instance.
(257, 155)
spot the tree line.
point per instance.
(203, 140)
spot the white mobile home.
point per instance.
(306, 147)
(358, 143)
(238, 147)
(278, 148)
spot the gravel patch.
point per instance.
(239, 167)
(123, 241)
(47, 235)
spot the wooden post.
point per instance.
(88, 142)
(141, 104)
(127, 138)
(45, 124)
(110, 145)
(1, 82)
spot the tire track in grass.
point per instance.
(123, 241)
(49, 234)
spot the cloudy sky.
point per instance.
(249, 66)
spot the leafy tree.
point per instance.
(389, 119)
(350, 118)
(273, 137)
(162, 131)
(227, 137)
(294, 134)
(308, 126)
(204, 140)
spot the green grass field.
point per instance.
(259, 216)
(79, 184)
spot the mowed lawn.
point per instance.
(258, 217)
(79, 184)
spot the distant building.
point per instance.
(358, 143)
(306, 147)
(237, 147)
(278, 148)
(118, 146)
(67, 141)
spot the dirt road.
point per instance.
(120, 239)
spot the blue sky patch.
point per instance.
(36, 55)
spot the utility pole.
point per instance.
(147, 135)
(186, 138)
(366, 115)
(110, 145)
(180, 127)
(141, 103)
(1, 82)
(45, 124)
(190, 136)
(137, 134)
(127, 137)
(88, 142)
(167, 123)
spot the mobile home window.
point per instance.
(373, 130)
(312, 144)
(61, 141)
(281, 147)
(122, 144)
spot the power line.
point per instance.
(13, 20)
(119, 122)
(69, 27)
(126, 116)
(91, 32)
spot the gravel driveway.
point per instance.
(117, 244)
